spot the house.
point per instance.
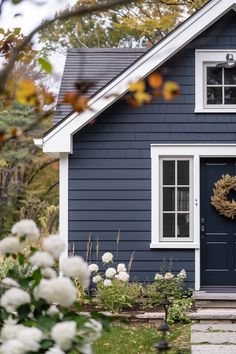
(149, 172)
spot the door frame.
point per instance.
(196, 152)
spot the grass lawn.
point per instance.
(140, 338)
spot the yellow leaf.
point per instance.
(170, 90)
(142, 97)
(3, 163)
(26, 92)
(155, 80)
(137, 86)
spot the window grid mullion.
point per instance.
(176, 188)
(223, 86)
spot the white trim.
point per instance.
(63, 190)
(59, 139)
(204, 57)
(196, 151)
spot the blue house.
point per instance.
(149, 173)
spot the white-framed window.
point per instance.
(176, 199)
(215, 87)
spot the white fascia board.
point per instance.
(59, 139)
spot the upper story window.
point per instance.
(215, 81)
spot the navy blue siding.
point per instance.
(110, 169)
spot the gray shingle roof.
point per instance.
(97, 65)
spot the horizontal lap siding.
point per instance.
(110, 168)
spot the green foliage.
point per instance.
(178, 310)
(117, 297)
(45, 65)
(5, 265)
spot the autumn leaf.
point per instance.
(26, 93)
(48, 98)
(170, 90)
(137, 86)
(70, 97)
(142, 97)
(155, 80)
(81, 104)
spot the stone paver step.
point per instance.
(213, 349)
(213, 337)
(214, 327)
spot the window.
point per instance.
(215, 87)
(175, 199)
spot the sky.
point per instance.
(31, 16)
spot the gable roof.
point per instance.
(96, 65)
(59, 140)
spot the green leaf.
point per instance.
(2, 31)
(21, 259)
(45, 65)
(37, 276)
(23, 311)
(17, 30)
(15, 2)
(47, 343)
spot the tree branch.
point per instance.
(79, 11)
(42, 167)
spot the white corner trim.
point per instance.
(203, 57)
(196, 151)
(63, 203)
(59, 139)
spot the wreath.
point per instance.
(220, 194)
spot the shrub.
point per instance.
(178, 310)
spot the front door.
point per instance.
(218, 233)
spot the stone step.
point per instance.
(213, 337)
(214, 314)
(215, 304)
(213, 349)
(211, 299)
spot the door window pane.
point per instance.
(168, 225)
(183, 225)
(230, 95)
(214, 95)
(214, 75)
(183, 199)
(168, 172)
(168, 199)
(183, 173)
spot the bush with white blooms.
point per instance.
(38, 309)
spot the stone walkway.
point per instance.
(213, 338)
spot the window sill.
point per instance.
(215, 110)
(178, 245)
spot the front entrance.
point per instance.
(218, 233)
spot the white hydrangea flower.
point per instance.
(48, 273)
(96, 279)
(55, 245)
(30, 337)
(107, 282)
(14, 298)
(9, 282)
(158, 276)
(182, 274)
(123, 276)
(86, 349)
(41, 259)
(76, 267)
(63, 334)
(55, 350)
(10, 245)
(13, 346)
(53, 310)
(95, 330)
(10, 330)
(169, 276)
(93, 268)
(56, 291)
(110, 272)
(121, 268)
(26, 227)
(107, 257)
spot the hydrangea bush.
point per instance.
(113, 290)
(38, 309)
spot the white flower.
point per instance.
(41, 259)
(9, 282)
(14, 298)
(169, 276)
(13, 346)
(10, 330)
(107, 257)
(56, 291)
(123, 276)
(55, 350)
(158, 276)
(54, 244)
(30, 337)
(110, 272)
(86, 349)
(63, 334)
(48, 273)
(53, 310)
(10, 245)
(107, 282)
(121, 268)
(76, 267)
(26, 228)
(93, 268)
(95, 330)
(96, 279)
(182, 274)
